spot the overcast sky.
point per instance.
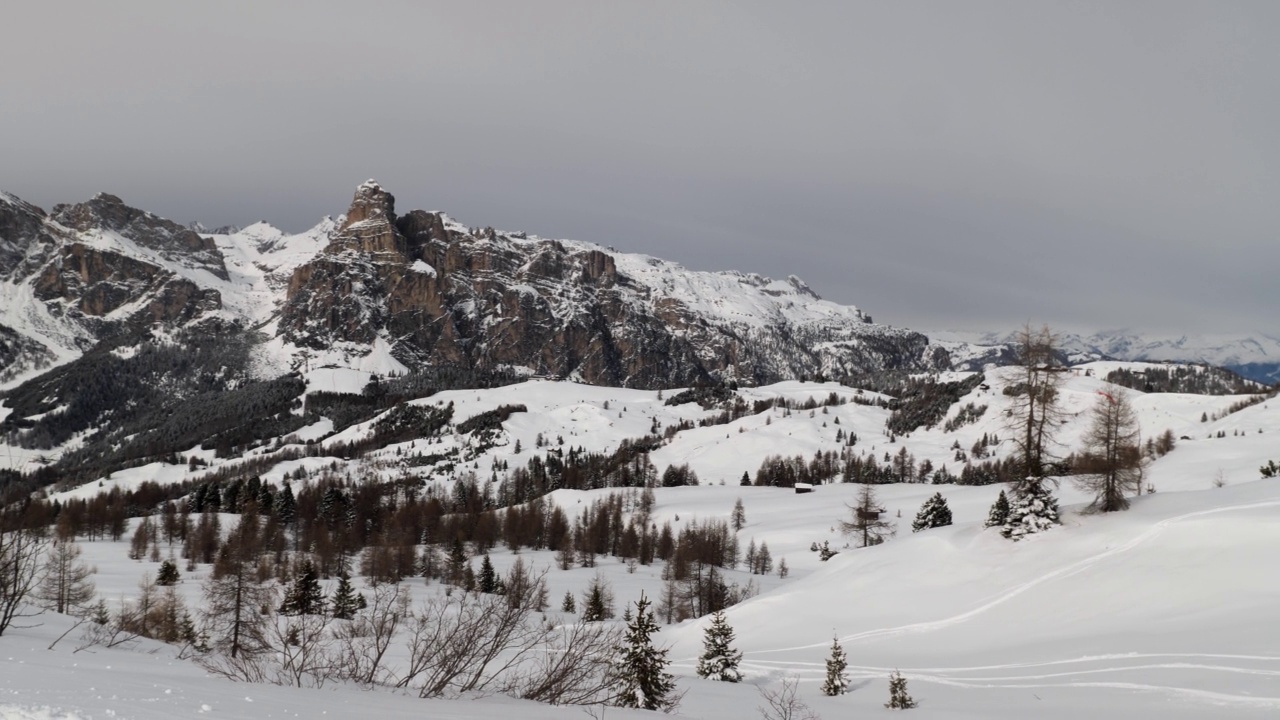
(941, 165)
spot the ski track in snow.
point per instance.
(957, 676)
(816, 671)
(1063, 572)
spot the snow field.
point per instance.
(1166, 610)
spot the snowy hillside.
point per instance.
(1165, 610)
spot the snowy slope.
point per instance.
(1166, 610)
(259, 260)
(1126, 615)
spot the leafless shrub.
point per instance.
(476, 643)
(303, 650)
(572, 666)
(21, 572)
(784, 703)
(109, 632)
(364, 640)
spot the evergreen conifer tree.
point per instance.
(488, 579)
(457, 562)
(1032, 510)
(345, 600)
(568, 605)
(596, 604)
(898, 697)
(286, 506)
(934, 513)
(641, 669)
(167, 574)
(836, 682)
(719, 659)
(304, 597)
(999, 513)
(101, 615)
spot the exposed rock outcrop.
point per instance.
(98, 270)
(443, 294)
(169, 239)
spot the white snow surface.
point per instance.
(1167, 610)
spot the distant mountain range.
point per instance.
(1255, 356)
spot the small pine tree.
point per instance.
(457, 561)
(719, 660)
(597, 603)
(304, 596)
(167, 574)
(568, 605)
(933, 513)
(898, 697)
(345, 601)
(999, 513)
(836, 682)
(640, 669)
(1033, 510)
(188, 634)
(101, 616)
(825, 552)
(488, 579)
(746, 479)
(764, 561)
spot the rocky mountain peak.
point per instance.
(22, 235)
(444, 294)
(371, 203)
(103, 212)
(106, 212)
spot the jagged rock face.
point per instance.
(76, 277)
(98, 282)
(442, 294)
(169, 239)
(25, 238)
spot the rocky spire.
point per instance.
(371, 203)
(370, 227)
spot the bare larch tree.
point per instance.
(1035, 412)
(865, 523)
(1113, 462)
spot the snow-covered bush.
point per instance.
(1031, 510)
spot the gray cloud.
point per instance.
(939, 164)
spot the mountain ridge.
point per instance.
(431, 289)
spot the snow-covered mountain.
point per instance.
(1255, 356)
(439, 293)
(421, 289)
